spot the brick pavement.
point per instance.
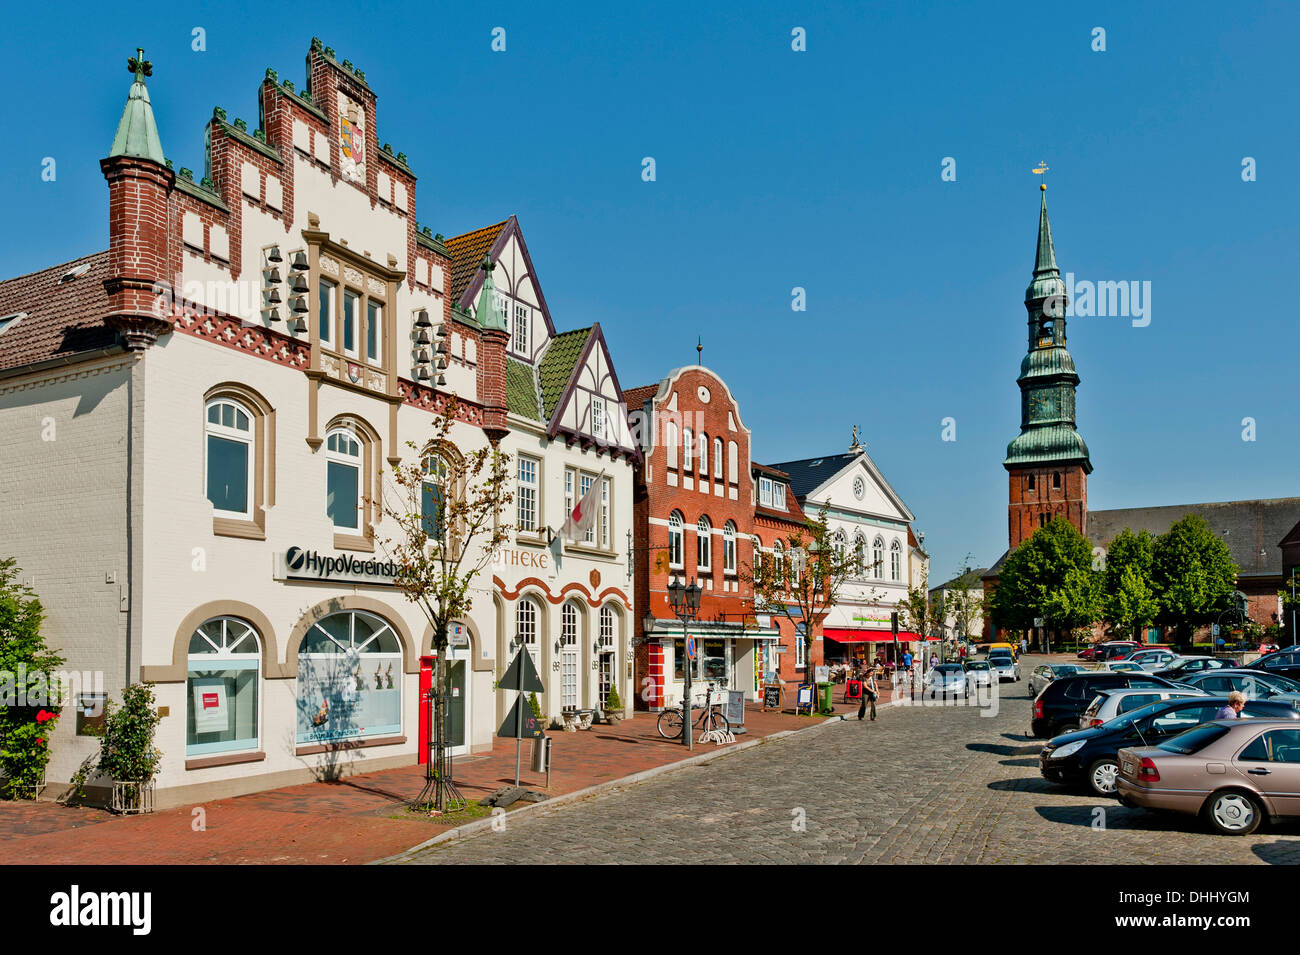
(922, 785)
(358, 819)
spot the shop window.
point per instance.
(713, 660)
(800, 647)
(703, 545)
(349, 679)
(675, 534)
(679, 661)
(229, 462)
(222, 699)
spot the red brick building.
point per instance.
(778, 519)
(693, 520)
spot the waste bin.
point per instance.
(824, 691)
(542, 754)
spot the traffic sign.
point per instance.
(690, 647)
(519, 725)
(522, 675)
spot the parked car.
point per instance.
(1122, 666)
(1116, 650)
(1093, 755)
(1186, 666)
(1152, 658)
(1283, 663)
(1047, 672)
(1057, 708)
(1108, 704)
(944, 679)
(1011, 648)
(1096, 650)
(1005, 665)
(1232, 773)
(1255, 684)
(978, 673)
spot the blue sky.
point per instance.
(818, 169)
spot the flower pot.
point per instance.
(613, 717)
(131, 796)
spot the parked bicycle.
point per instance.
(711, 718)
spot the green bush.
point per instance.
(24, 730)
(612, 701)
(534, 705)
(126, 749)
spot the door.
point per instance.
(457, 696)
(605, 678)
(569, 678)
(1272, 763)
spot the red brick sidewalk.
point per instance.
(354, 820)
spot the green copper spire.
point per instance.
(488, 315)
(1047, 376)
(137, 133)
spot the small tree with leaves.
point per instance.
(445, 505)
(1050, 576)
(809, 578)
(24, 730)
(1193, 574)
(1129, 598)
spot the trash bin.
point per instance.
(542, 754)
(824, 704)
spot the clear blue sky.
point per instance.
(818, 169)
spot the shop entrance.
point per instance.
(606, 679)
(455, 701)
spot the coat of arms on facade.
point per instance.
(352, 143)
(354, 372)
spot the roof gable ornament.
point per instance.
(488, 315)
(856, 447)
(137, 133)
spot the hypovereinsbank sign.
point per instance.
(298, 563)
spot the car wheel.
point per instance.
(1233, 813)
(1102, 775)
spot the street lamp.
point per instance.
(685, 603)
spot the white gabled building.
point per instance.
(866, 514)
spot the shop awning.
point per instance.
(872, 636)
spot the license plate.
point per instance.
(1128, 766)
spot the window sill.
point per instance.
(590, 550)
(348, 744)
(232, 759)
(353, 542)
(234, 527)
(530, 539)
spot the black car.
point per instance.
(1058, 707)
(1284, 663)
(1091, 755)
(1184, 667)
(1255, 684)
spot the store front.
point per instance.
(863, 647)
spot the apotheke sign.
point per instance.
(299, 564)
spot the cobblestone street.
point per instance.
(924, 784)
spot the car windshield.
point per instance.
(948, 668)
(1066, 669)
(977, 666)
(1279, 683)
(1193, 740)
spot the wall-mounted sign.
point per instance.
(297, 563)
(515, 557)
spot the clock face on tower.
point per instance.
(1042, 405)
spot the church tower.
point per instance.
(1047, 462)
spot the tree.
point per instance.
(1129, 600)
(810, 580)
(1050, 576)
(27, 719)
(1193, 576)
(446, 505)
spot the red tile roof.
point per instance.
(636, 397)
(467, 253)
(63, 318)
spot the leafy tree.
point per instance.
(446, 506)
(1129, 597)
(1193, 575)
(24, 730)
(1050, 576)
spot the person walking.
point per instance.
(869, 695)
(1236, 703)
(1024, 645)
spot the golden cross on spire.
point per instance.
(1041, 170)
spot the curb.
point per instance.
(474, 828)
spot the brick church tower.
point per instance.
(1047, 463)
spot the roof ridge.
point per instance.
(462, 235)
(51, 268)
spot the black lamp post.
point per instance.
(685, 603)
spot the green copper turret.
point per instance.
(137, 133)
(1047, 377)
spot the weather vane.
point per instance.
(1041, 170)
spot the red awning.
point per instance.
(871, 636)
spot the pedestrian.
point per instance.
(1024, 645)
(1236, 703)
(869, 694)
(934, 660)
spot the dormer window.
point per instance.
(519, 333)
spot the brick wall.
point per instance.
(1027, 509)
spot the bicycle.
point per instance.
(711, 719)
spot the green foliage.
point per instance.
(126, 743)
(1192, 573)
(1049, 576)
(1129, 600)
(24, 730)
(612, 699)
(534, 705)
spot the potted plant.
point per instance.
(127, 755)
(613, 707)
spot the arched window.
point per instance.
(778, 561)
(1056, 480)
(859, 552)
(607, 625)
(349, 679)
(878, 557)
(526, 626)
(229, 463)
(703, 545)
(606, 644)
(670, 443)
(688, 448)
(704, 454)
(222, 700)
(433, 497)
(896, 561)
(840, 544)
(729, 548)
(717, 458)
(675, 534)
(343, 487)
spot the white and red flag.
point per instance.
(583, 516)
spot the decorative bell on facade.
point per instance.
(299, 262)
(299, 284)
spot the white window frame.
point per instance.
(528, 493)
(704, 545)
(765, 491)
(347, 459)
(519, 329)
(717, 458)
(895, 561)
(351, 295)
(778, 495)
(704, 454)
(375, 324)
(237, 434)
(606, 493)
(729, 547)
(878, 558)
(688, 448)
(325, 322)
(670, 442)
(224, 657)
(676, 540)
(527, 618)
(598, 417)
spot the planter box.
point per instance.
(130, 798)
